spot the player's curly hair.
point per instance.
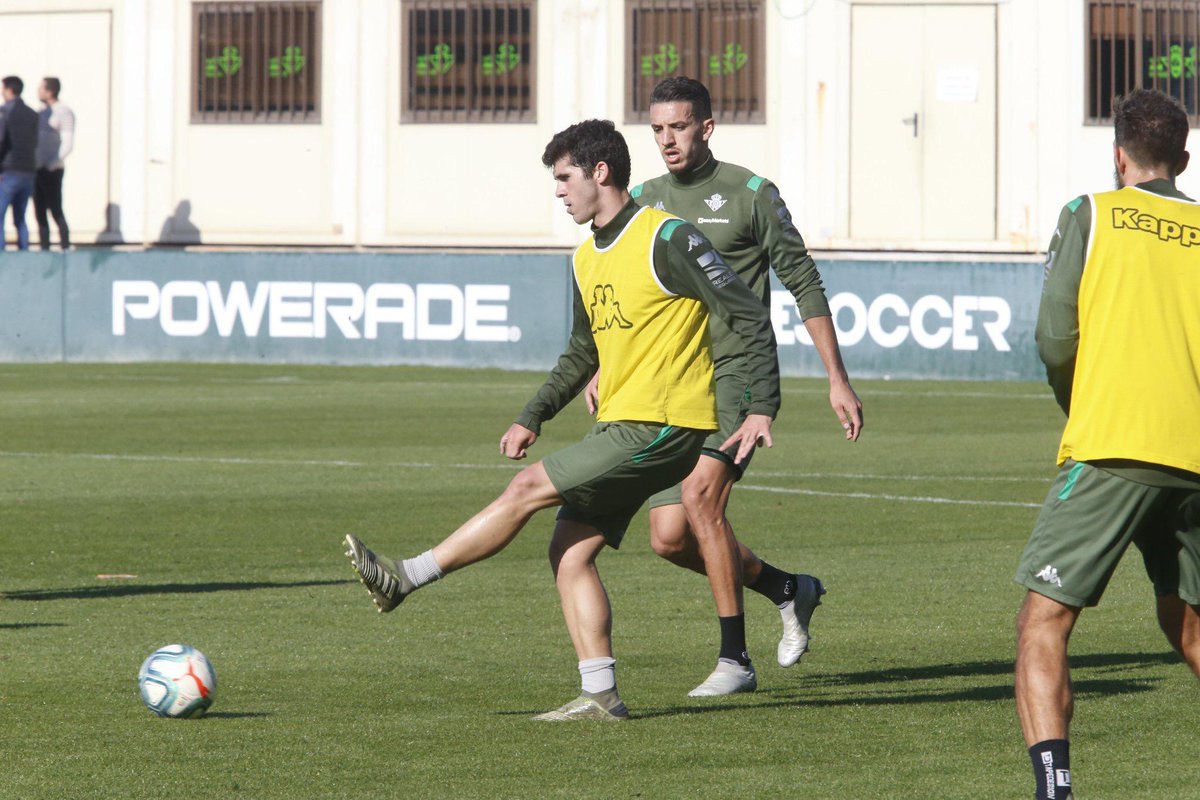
(588, 143)
(1152, 127)
(684, 90)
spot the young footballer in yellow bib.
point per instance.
(645, 284)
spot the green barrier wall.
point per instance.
(506, 310)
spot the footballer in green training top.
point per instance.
(745, 218)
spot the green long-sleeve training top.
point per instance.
(745, 218)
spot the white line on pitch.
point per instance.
(895, 497)
(879, 477)
(507, 467)
(272, 462)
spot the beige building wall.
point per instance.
(143, 173)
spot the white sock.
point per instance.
(422, 570)
(598, 674)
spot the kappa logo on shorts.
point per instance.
(1050, 575)
(605, 309)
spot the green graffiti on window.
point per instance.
(290, 63)
(438, 61)
(503, 61)
(1174, 64)
(728, 62)
(663, 62)
(224, 65)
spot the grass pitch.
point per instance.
(226, 490)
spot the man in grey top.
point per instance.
(56, 137)
(18, 142)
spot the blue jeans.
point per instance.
(15, 190)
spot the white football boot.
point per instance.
(727, 678)
(796, 616)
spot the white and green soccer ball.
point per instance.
(177, 681)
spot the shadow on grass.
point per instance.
(235, 714)
(1003, 692)
(14, 626)
(130, 590)
(892, 687)
(1108, 661)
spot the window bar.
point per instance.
(290, 14)
(1096, 15)
(743, 24)
(257, 79)
(486, 35)
(236, 80)
(732, 23)
(417, 39)
(459, 33)
(303, 95)
(225, 81)
(503, 29)
(477, 105)
(1194, 112)
(444, 109)
(198, 22)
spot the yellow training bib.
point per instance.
(655, 354)
(1136, 390)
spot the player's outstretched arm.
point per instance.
(797, 271)
(842, 396)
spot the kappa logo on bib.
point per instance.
(605, 309)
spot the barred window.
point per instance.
(1152, 44)
(256, 62)
(719, 42)
(469, 61)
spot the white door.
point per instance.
(923, 123)
(74, 47)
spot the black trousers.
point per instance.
(47, 196)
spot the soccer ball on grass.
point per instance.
(177, 681)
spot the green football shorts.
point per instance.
(733, 404)
(607, 476)
(1087, 522)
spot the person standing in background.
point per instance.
(18, 143)
(56, 137)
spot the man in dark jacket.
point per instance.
(18, 162)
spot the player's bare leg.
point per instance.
(490, 531)
(1045, 702)
(485, 534)
(1181, 623)
(586, 610)
(705, 495)
(711, 550)
(795, 595)
(671, 538)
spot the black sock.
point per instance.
(1052, 768)
(774, 584)
(733, 639)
